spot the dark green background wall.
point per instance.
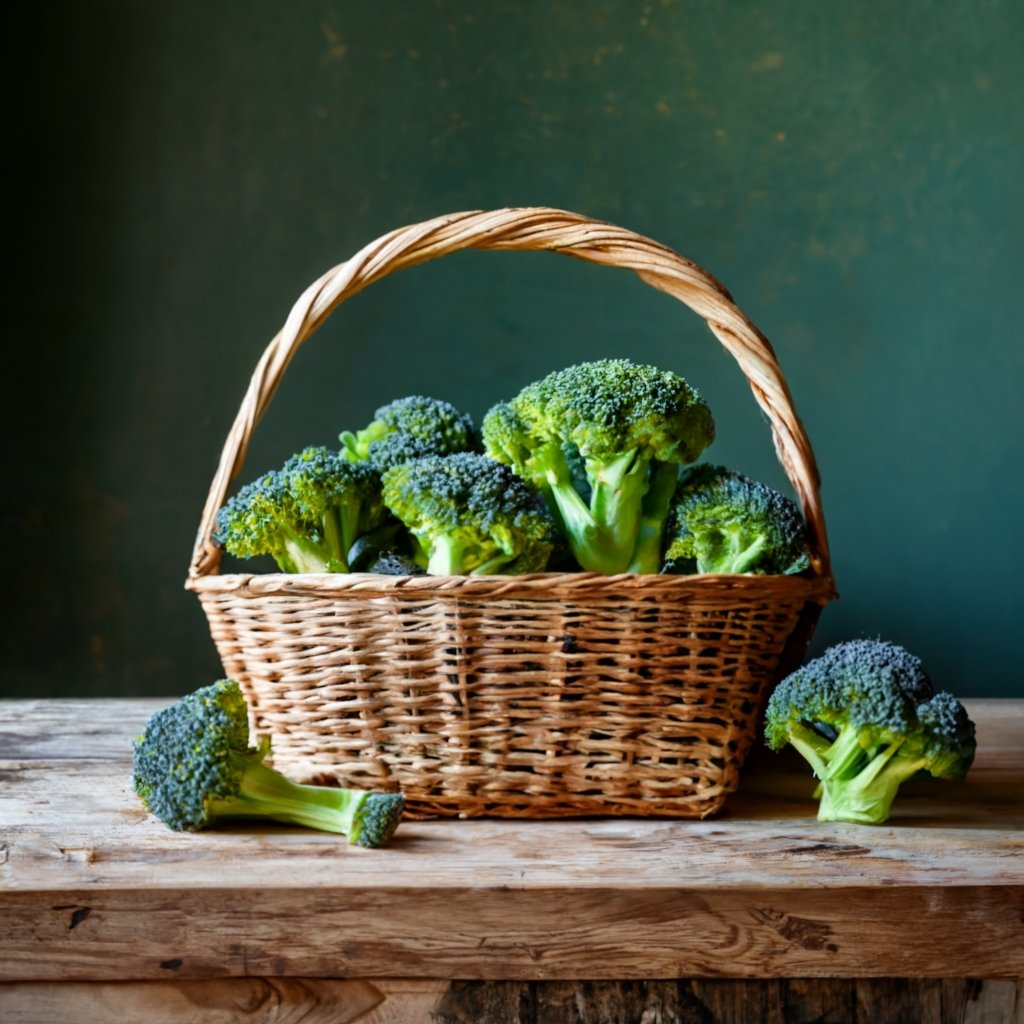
(852, 172)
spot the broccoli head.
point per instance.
(410, 427)
(603, 442)
(307, 515)
(193, 768)
(470, 515)
(721, 521)
(866, 717)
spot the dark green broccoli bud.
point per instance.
(721, 521)
(603, 442)
(393, 563)
(430, 427)
(470, 515)
(307, 515)
(395, 449)
(866, 718)
(193, 768)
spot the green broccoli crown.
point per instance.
(470, 514)
(193, 768)
(436, 427)
(866, 716)
(723, 521)
(193, 753)
(318, 478)
(506, 437)
(612, 406)
(394, 449)
(260, 519)
(602, 441)
(378, 818)
(306, 515)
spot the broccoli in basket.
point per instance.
(193, 767)
(866, 718)
(721, 521)
(407, 428)
(470, 515)
(308, 515)
(603, 441)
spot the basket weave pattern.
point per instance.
(547, 695)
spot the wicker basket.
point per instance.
(549, 695)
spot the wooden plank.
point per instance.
(233, 1001)
(512, 934)
(412, 1001)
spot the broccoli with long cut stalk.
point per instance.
(603, 442)
(722, 521)
(410, 427)
(867, 718)
(308, 515)
(194, 768)
(470, 515)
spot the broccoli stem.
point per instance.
(654, 512)
(866, 798)
(603, 534)
(266, 793)
(446, 556)
(301, 555)
(617, 489)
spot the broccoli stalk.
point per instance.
(193, 768)
(866, 718)
(263, 792)
(629, 428)
(469, 515)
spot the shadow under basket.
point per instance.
(541, 696)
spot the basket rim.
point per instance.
(530, 229)
(541, 586)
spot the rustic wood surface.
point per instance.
(93, 889)
(694, 1001)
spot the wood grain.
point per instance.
(411, 1001)
(92, 888)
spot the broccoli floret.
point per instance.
(603, 442)
(307, 515)
(410, 427)
(394, 563)
(470, 515)
(722, 521)
(193, 768)
(866, 717)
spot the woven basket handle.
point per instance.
(528, 228)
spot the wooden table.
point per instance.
(759, 914)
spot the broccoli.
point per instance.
(866, 717)
(307, 515)
(470, 515)
(721, 521)
(193, 768)
(603, 442)
(409, 427)
(394, 563)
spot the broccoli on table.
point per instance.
(193, 767)
(603, 442)
(722, 521)
(470, 515)
(307, 515)
(866, 717)
(409, 427)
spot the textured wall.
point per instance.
(851, 172)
